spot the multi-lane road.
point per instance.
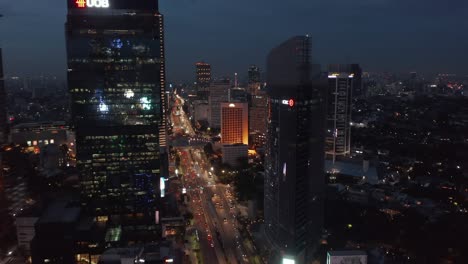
(212, 204)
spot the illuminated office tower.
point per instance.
(116, 78)
(294, 160)
(234, 123)
(3, 108)
(339, 101)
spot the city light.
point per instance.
(103, 107)
(145, 103)
(81, 3)
(129, 94)
(92, 3)
(162, 186)
(288, 260)
(284, 170)
(289, 102)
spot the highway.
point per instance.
(212, 204)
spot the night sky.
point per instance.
(382, 35)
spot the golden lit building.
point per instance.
(234, 123)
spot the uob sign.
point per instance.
(92, 3)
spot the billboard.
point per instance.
(113, 4)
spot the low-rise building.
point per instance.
(233, 154)
(347, 257)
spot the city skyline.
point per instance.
(377, 40)
(240, 132)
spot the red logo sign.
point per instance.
(81, 3)
(291, 102)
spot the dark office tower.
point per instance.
(203, 79)
(3, 110)
(294, 181)
(358, 86)
(254, 74)
(254, 84)
(339, 102)
(116, 78)
(203, 74)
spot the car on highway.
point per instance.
(225, 220)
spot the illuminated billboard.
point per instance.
(113, 4)
(289, 102)
(92, 3)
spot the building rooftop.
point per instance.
(354, 168)
(60, 212)
(150, 253)
(346, 253)
(40, 124)
(115, 255)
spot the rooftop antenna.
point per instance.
(236, 84)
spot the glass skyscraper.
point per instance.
(3, 108)
(116, 78)
(294, 161)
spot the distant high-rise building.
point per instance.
(6, 221)
(219, 93)
(237, 94)
(116, 78)
(258, 117)
(339, 101)
(358, 85)
(254, 82)
(254, 74)
(203, 71)
(294, 160)
(234, 123)
(3, 108)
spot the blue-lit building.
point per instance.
(116, 78)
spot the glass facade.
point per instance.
(116, 78)
(338, 134)
(3, 110)
(294, 177)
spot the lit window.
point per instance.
(29, 143)
(35, 143)
(52, 141)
